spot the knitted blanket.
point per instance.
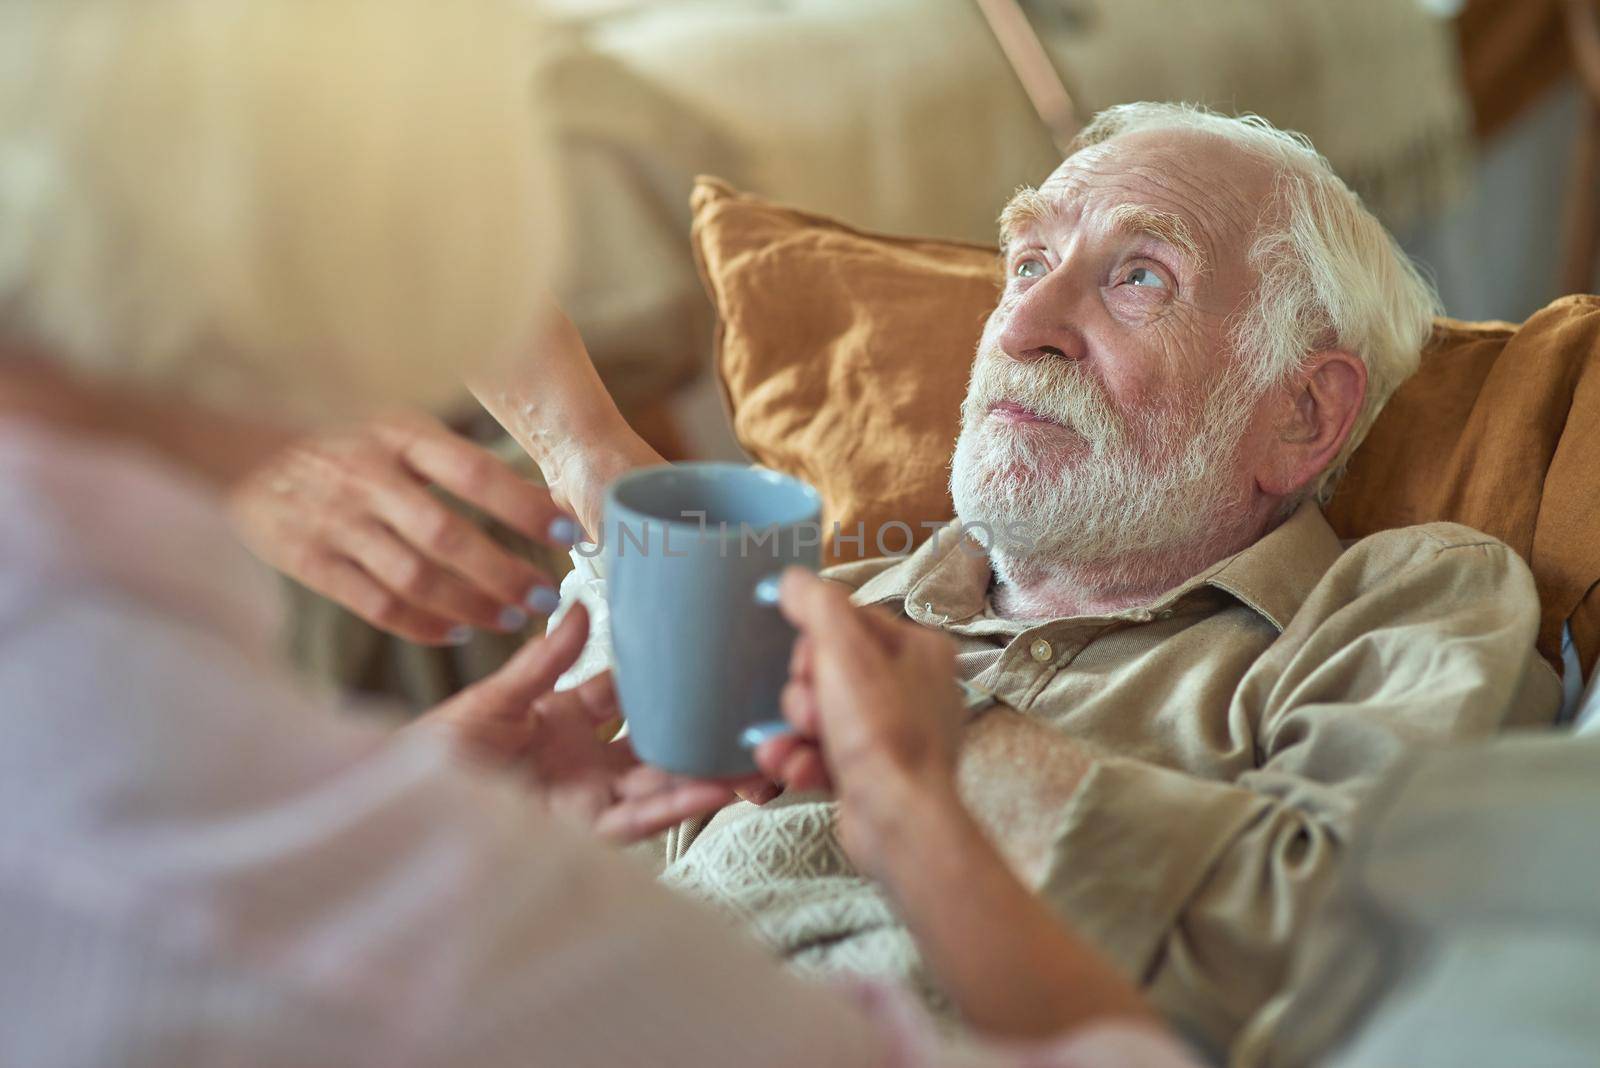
(780, 872)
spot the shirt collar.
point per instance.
(1276, 574)
(946, 581)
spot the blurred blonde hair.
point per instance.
(1330, 274)
(295, 202)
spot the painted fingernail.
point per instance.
(512, 618)
(758, 735)
(766, 592)
(564, 530)
(542, 599)
(460, 634)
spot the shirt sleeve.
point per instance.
(1407, 640)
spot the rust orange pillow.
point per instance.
(843, 356)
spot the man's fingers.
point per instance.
(344, 581)
(453, 541)
(816, 605)
(934, 651)
(798, 702)
(822, 611)
(890, 632)
(800, 660)
(481, 478)
(422, 582)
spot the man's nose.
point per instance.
(1043, 324)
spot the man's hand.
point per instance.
(876, 712)
(514, 721)
(350, 515)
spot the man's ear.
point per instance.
(1320, 408)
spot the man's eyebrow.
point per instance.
(1028, 207)
(1031, 208)
(1161, 225)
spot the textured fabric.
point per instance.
(1289, 60)
(202, 865)
(844, 358)
(927, 136)
(645, 96)
(1236, 721)
(1466, 927)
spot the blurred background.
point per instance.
(1470, 126)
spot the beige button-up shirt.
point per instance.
(1235, 721)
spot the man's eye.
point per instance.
(1032, 267)
(1144, 276)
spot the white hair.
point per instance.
(1330, 274)
(283, 201)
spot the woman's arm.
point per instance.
(877, 714)
(555, 406)
(1001, 955)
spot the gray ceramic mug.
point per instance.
(692, 552)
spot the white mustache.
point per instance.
(1057, 391)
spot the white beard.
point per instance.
(1103, 494)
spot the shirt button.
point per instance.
(1040, 650)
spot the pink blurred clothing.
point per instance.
(201, 863)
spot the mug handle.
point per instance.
(766, 595)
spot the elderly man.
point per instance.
(1195, 679)
(1198, 325)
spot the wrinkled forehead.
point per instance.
(1200, 187)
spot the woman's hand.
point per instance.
(351, 516)
(876, 712)
(514, 721)
(601, 784)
